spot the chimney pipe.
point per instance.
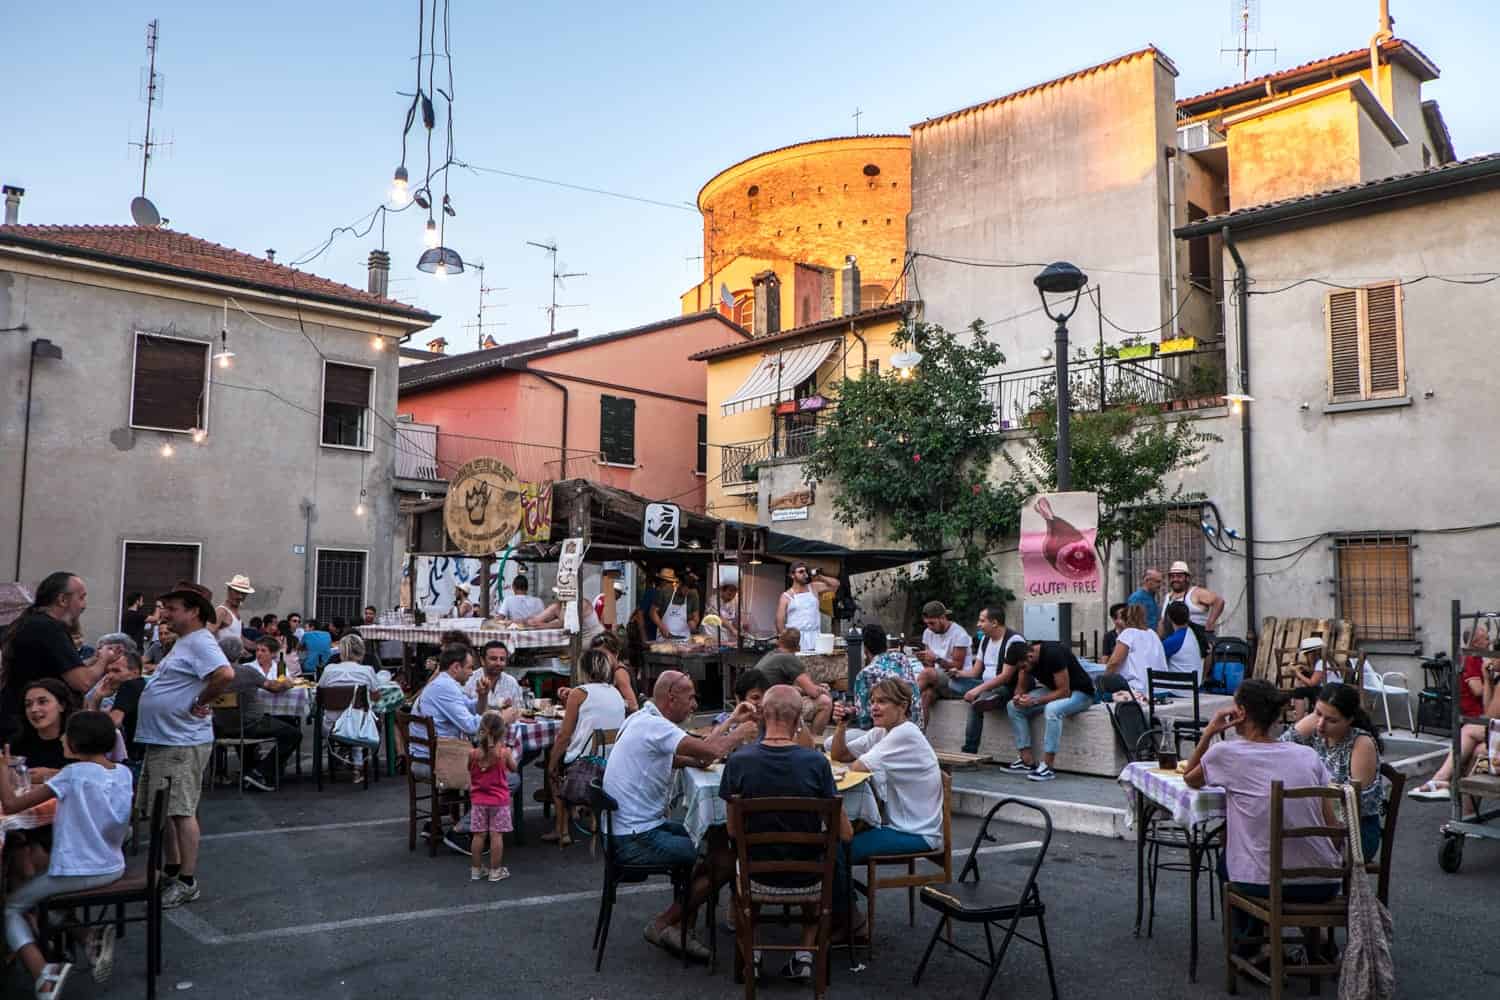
(380, 273)
(437, 345)
(1383, 34)
(271, 255)
(12, 204)
(850, 280)
(767, 318)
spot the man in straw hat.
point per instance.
(1204, 606)
(174, 722)
(227, 615)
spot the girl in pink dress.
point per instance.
(490, 765)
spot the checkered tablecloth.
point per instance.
(1187, 806)
(515, 638)
(535, 734)
(38, 815)
(698, 791)
(295, 702)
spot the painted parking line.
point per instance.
(205, 933)
(317, 827)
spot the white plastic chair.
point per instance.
(1385, 685)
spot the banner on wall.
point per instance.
(536, 512)
(1059, 560)
(483, 507)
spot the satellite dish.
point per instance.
(143, 212)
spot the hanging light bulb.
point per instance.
(199, 434)
(430, 238)
(400, 195)
(1237, 401)
(359, 508)
(440, 271)
(377, 342)
(224, 354)
(167, 451)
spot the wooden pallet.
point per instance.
(953, 760)
(1280, 637)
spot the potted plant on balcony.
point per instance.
(1178, 345)
(1134, 347)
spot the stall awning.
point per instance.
(777, 376)
(789, 547)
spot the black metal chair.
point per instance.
(106, 905)
(1171, 680)
(616, 873)
(994, 904)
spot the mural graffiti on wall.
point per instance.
(536, 512)
(438, 575)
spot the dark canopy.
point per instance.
(783, 546)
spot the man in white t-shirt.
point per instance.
(947, 658)
(638, 777)
(519, 605)
(997, 674)
(174, 722)
(505, 694)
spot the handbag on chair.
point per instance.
(1367, 971)
(357, 726)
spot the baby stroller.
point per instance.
(1231, 662)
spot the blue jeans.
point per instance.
(885, 840)
(1370, 832)
(992, 700)
(23, 900)
(668, 844)
(1055, 710)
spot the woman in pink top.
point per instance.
(490, 765)
(1245, 768)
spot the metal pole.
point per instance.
(25, 451)
(1064, 456)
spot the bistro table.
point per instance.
(1199, 811)
(294, 703)
(698, 789)
(38, 815)
(535, 734)
(431, 634)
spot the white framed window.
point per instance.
(169, 383)
(1366, 343)
(347, 406)
(339, 583)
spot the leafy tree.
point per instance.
(915, 451)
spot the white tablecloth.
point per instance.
(698, 791)
(515, 638)
(295, 701)
(1187, 806)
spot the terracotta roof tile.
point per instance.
(1235, 93)
(179, 253)
(879, 312)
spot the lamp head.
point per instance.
(46, 349)
(1060, 277)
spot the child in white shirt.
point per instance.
(93, 795)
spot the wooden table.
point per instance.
(1199, 811)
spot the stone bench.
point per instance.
(1088, 743)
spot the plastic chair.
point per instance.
(1385, 685)
(993, 904)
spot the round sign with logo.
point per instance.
(483, 508)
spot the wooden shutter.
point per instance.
(1342, 314)
(1383, 334)
(169, 376)
(1375, 586)
(703, 443)
(346, 385)
(617, 429)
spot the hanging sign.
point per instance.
(662, 526)
(536, 512)
(1058, 557)
(568, 562)
(483, 507)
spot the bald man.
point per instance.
(639, 778)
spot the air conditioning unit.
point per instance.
(1199, 135)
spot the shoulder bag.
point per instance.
(357, 726)
(1367, 971)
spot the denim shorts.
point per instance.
(668, 844)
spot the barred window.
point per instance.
(1180, 536)
(1373, 573)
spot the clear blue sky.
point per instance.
(286, 122)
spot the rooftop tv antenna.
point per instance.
(1244, 18)
(142, 211)
(558, 277)
(479, 326)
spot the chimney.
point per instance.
(437, 345)
(271, 255)
(12, 204)
(767, 304)
(489, 343)
(849, 281)
(380, 273)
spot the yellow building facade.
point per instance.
(749, 430)
(812, 204)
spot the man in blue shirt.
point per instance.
(454, 715)
(1146, 596)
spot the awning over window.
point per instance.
(777, 376)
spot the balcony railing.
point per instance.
(1095, 384)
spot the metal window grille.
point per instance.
(1180, 536)
(341, 585)
(1374, 585)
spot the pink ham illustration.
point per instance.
(1064, 547)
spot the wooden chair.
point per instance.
(1381, 868)
(755, 879)
(994, 904)
(423, 787)
(338, 698)
(1278, 913)
(912, 879)
(101, 907)
(229, 719)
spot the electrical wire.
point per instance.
(1473, 278)
(476, 168)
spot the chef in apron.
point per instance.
(799, 605)
(676, 608)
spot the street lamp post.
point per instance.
(1061, 279)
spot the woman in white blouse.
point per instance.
(905, 771)
(1137, 649)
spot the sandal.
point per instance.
(551, 837)
(1430, 791)
(499, 874)
(50, 983)
(101, 953)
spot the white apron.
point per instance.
(802, 614)
(674, 620)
